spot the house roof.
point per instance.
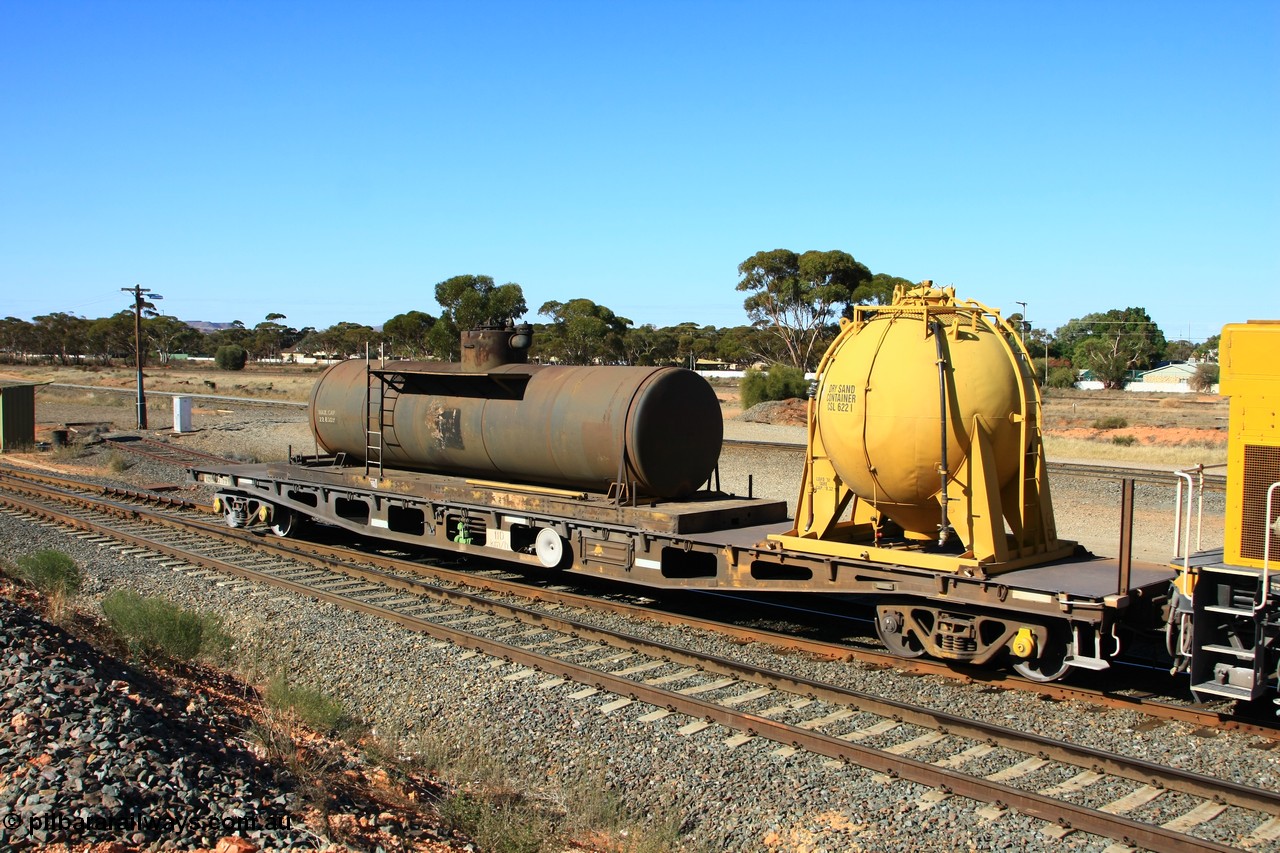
(1176, 370)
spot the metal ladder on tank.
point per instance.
(374, 429)
(1031, 431)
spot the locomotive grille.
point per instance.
(1261, 469)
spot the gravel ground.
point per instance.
(92, 751)
(746, 798)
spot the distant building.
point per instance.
(1171, 378)
(1177, 371)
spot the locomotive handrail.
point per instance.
(1181, 550)
(1266, 552)
(1194, 478)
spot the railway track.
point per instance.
(161, 451)
(898, 740)
(538, 588)
(1214, 482)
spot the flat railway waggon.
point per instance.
(924, 489)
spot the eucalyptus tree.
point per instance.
(649, 345)
(269, 337)
(694, 341)
(61, 335)
(470, 301)
(1112, 343)
(233, 335)
(17, 339)
(582, 332)
(169, 335)
(408, 334)
(797, 296)
(111, 337)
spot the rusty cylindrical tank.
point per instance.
(878, 408)
(581, 427)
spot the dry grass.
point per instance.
(504, 813)
(1159, 430)
(1106, 450)
(273, 382)
(67, 454)
(1082, 408)
(118, 463)
(313, 762)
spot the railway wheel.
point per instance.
(1051, 663)
(285, 522)
(892, 631)
(551, 548)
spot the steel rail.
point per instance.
(162, 451)
(819, 648)
(1159, 476)
(1037, 805)
(1116, 765)
(68, 483)
(1132, 769)
(1215, 482)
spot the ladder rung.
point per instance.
(1231, 611)
(1243, 654)
(1228, 690)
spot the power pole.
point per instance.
(139, 292)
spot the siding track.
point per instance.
(898, 740)
(1212, 482)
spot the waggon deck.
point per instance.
(1085, 577)
(710, 540)
(703, 511)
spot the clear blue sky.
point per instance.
(333, 161)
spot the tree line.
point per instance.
(793, 300)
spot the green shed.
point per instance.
(17, 415)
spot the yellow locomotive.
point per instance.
(1225, 620)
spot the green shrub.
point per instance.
(1112, 422)
(231, 357)
(316, 709)
(156, 629)
(779, 383)
(1062, 377)
(1124, 440)
(51, 572)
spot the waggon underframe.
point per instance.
(711, 541)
